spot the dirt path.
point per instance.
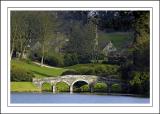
(45, 65)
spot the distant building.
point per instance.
(107, 47)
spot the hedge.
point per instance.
(70, 72)
(100, 87)
(20, 74)
(95, 69)
(86, 71)
(116, 88)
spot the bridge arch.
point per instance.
(65, 88)
(62, 81)
(76, 81)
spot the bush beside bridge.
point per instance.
(46, 87)
(100, 87)
(62, 87)
(116, 88)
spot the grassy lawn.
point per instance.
(38, 70)
(117, 38)
(24, 87)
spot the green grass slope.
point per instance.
(37, 70)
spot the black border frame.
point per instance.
(80, 10)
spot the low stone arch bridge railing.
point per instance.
(72, 79)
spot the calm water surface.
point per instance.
(73, 98)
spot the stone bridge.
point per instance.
(72, 79)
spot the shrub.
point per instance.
(104, 62)
(62, 87)
(19, 74)
(83, 59)
(46, 87)
(85, 88)
(140, 82)
(70, 72)
(76, 89)
(70, 59)
(103, 70)
(100, 87)
(96, 69)
(116, 88)
(100, 70)
(85, 71)
(112, 69)
(54, 59)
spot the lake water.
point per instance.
(74, 98)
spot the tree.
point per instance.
(81, 42)
(93, 33)
(136, 68)
(20, 32)
(141, 40)
(14, 31)
(46, 31)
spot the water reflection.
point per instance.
(75, 98)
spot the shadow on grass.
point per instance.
(42, 74)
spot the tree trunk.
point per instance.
(12, 49)
(22, 53)
(42, 59)
(11, 54)
(96, 44)
(21, 49)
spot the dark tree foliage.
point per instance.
(136, 68)
(115, 20)
(141, 40)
